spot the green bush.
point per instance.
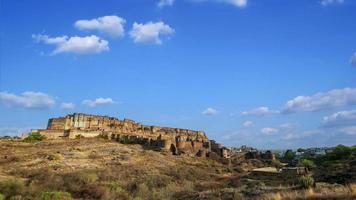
(2, 197)
(56, 196)
(12, 187)
(309, 164)
(306, 182)
(33, 137)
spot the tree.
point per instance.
(300, 150)
(289, 155)
(34, 137)
(306, 182)
(309, 164)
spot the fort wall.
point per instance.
(175, 140)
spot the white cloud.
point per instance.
(210, 112)
(260, 111)
(340, 118)
(163, 3)
(247, 124)
(78, 45)
(353, 60)
(330, 2)
(29, 99)
(111, 25)
(269, 131)
(322, 101)
(150, 32)
(97, 102)
(237, 3)
(342, 121)
(68, 106)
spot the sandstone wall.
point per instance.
(128, 131)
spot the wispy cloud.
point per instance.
(112, 25)
(163, 3)
(78, 45)
(97, 102)
(331, 2)
(269, 131)
(29, 99)
(150, 32)
(210, 112)
(353, 60)
(67, 106)
(260, 111)
(236, 3)
(247, 124)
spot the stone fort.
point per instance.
(174, 140)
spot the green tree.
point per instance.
(289, 155)
(309, 164)
(300, 150)
(34, 137)
(342, 152)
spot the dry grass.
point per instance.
(102, 169)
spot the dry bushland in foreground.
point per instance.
(102, 169)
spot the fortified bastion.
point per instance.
(174, 140)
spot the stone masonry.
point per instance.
(174, 140)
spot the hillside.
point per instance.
(103, 169)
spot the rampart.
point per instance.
(174, 140)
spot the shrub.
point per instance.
(12, 187)
(309, 164)
(306, 182)
(55, 156)
(277, 164)
(56, 196)
(143, 191)
(33, 137)
(89, 178)
(2, 197)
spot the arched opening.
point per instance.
(173, 149)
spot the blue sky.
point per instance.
(270, 74)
